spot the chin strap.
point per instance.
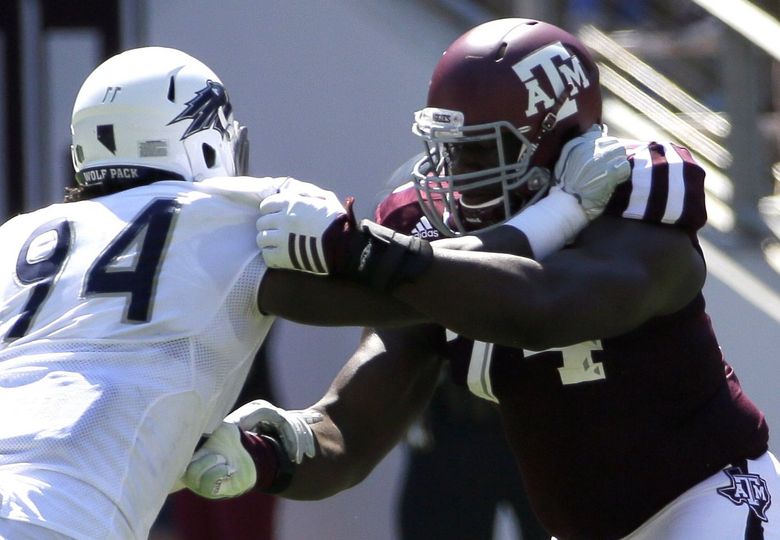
(551, 118)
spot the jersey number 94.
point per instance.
(45, 253)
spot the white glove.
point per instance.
(590, 167)
(222, 467)
(290, 427)
(292, 185)
(292, 227)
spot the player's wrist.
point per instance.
(381, 258)
(275, 469)
(550, 223)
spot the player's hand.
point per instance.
(221, 468)
(291, 428)
(305, 228)
(590, 167)
(292, 185)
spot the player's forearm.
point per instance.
(318, 477)
(316, 452)
(505, 239)
(368, 409)
(337, 465)
(334, 468)
(330, 302)
(486, 296)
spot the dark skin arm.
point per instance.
(320, 301)
(619, 275)
(384, 386)
(504, 239)
(368, 408)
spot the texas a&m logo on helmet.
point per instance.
(563, 72)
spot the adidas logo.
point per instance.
(424, 229)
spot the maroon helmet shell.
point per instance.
(513, 70)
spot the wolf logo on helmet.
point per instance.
(210, 108)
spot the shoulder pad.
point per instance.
(401, 212)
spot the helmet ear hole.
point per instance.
(501, 52)
(209, 155)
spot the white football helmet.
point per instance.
(154, 113)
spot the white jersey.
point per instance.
(127, 327)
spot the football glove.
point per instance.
(291, 428)
(293, 229)
(221, 468)
(590, 167)
(313, 232)
(292, 185)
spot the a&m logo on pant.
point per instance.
(749, 489)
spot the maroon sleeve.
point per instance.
(666, 186)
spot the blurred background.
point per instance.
(328, 89)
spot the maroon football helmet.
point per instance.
(503, 100)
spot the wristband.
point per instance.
(550, 223)
(382, 259)
(274, 468)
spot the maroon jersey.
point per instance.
(609, 431)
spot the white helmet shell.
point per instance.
(157, 113)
